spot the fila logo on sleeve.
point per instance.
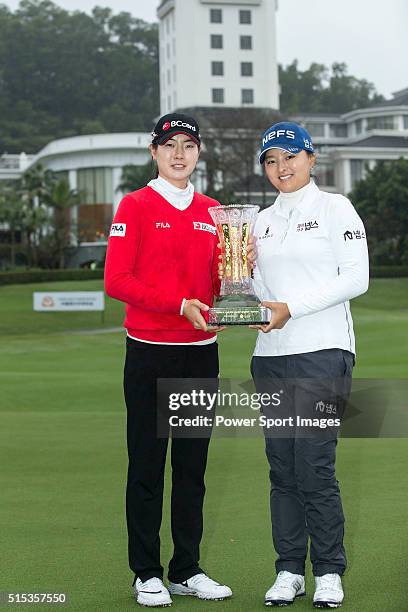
(118, 229)
(205, 227)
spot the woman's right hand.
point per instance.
(192, 311)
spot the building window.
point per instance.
(216, 41)
(168, 104)
(380, 123)
(217, 68)
(405, 122)
(245, 17)
(325, 174)
(215, 15)
(359, 126)
(338, 130)
(356, 167)
(218, 96)
(95, 185)
(246, 42)
(247, 69)
(168, 50)
(316, 129)
(168, 77)
(247, 96)
(167, 26)
(174, 74)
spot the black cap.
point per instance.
(175, 123)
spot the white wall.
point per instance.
(185, 32)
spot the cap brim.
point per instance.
(163, 139)
(289, 149)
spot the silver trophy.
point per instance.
(237, 304)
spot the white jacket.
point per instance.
(315, 259)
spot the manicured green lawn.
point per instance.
(63, 458)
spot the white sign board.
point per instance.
(60, 301)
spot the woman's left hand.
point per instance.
(280, 316)
(252, 252)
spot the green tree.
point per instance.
(135, 177)
(31, 189)
(12, 215)
(64, 73)
(321, 89)
(382, 201)
(301, 90)
(61, 199)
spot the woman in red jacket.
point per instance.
(162, 261)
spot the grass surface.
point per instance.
(63, 458)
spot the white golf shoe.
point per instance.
(200, 586)
(285, 589)
(152, 593)
(329, 591)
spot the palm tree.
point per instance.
(12, 215)
(61, 198)
(31, 190)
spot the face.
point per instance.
(286, 171)
(176, 159)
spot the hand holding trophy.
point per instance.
(237, 304)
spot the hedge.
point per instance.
(388, 271)
(46, 276)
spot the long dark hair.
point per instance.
(155, 169)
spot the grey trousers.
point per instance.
(305, 496)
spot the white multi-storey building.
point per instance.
(216, 53)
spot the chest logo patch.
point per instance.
(308, 225)
(205, 227)
(118, 229)
(162, 225)
(267, 234)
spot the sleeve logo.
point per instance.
(118, 229)
(355, 234)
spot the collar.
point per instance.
(179, 198)
(304, 198)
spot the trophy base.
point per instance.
(238, 314)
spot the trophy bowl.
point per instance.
(237, 304)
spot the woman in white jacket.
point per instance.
(312, 259)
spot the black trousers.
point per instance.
(305, 496)
(145, 363)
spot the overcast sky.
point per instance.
(369, 35)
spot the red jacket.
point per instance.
(157, 256)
